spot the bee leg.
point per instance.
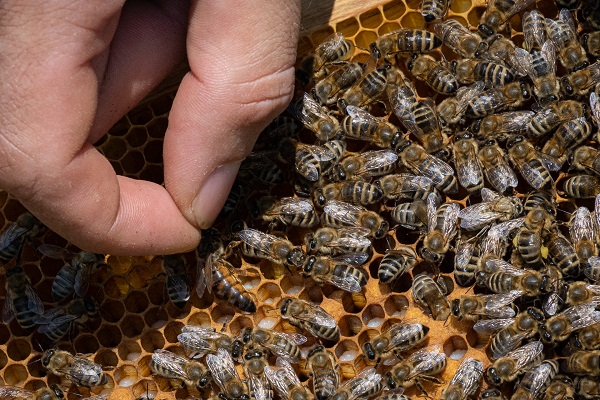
(231, 247)
(421, 389)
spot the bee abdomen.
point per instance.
(63, 285)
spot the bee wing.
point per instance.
(259, 387)
(8, 310)
(33, 301)
(536, 32)
(377, 159)
(435, 164)
(499, 265)
(525, 62)
(56, 252)
(450, 220)
(549, 53)
(348, 283)
(209, 333)
(295, 338)
(10, 234)
(426, 362)
(540, 376)
(595, 107)
(221, 367)
(594, 262)
(356, 232)
(466, 93)
(488, 195)
(311, 111)
(503, 229)
(258, 240)
(497, 305)
(279, 376)
(55, 323)
(328, 47)
(432, 205)
(582, 315)
(82, 370)
(551, 163)
(359, 115)
(468, 374)
(477, 215)
(82, 279)
(344, 212)
(415, 182)
(177, 282)
(289, 205)
(400, 332)
(551, 304)
(525, 354)
(501, 176)
(518, 6)
(195, 342)
(13, 392)
(467, 167)
(169, 361)
(357, 258)
(355, 242)
(581, 226)
(464, 251)
(362, 383)
(491, 326)
(565, 16)
(316, 314)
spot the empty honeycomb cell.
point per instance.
(395, 306)
(3, 359)
(176, 312)
(129, 350)
(34, 273)
(109, 335)
(349, 325)
(107, 358)
(4, 333)
(348, 27)
(401, 284)
(136, 302)
(455, 347)
(476, 340)
(35, 384)
(292, 285)
(18, 349)
(373, 316)
(371, 19)
(156, 317)
(137, 136)
(117, 167)
(143, 366)
(157, 293)
(387, 28)
(35, 368)
(125, 375)
(116, 287)
(120, 128)
(86, 344)
(313, 294)
(413, 20)
(172, 330)
(153, 151)
(144, 389)
(474, 15)
(132, 325)
(152, 173)
(15, 374)
(152, 340)
(199, 319)
(269, 294)
(394, 10)
(133, 162)
(12, 208)
(460, 6)
(113, 310)
(114, 148)
(365, 38)
(140, 116)
(320, 35)
(237, 325)
(157, 127)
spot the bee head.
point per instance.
(390, 380)
(566, 86)
(57, 391)
(492, 377)
(456, 309)
(525, 90)
(368, 351)
(482, 48)
(375, 50)
(383, 229)
(485, 30)
(308, 265)
(47, 356)
(246, 334)
(510, 144)
(395, 140)
(284, 306)
(319, 197)
(411, 62)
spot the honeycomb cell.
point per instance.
(34, 366)
(475, 15)
(251, 281)
(455, 347)
(265, 318)
(347, 351)
(475, 340)
(3, 359)
(157, 127)
(348, 27)
(366, 336)
(199, 319)
(136, 302)
(107, 358)
(237, 325)
(292, 285)
(114, 148)
(129, 350)
(320, 35)
(109, 335)
(394, 10)
(152, 340)
(157, 293)
(113, 310)
(354, 302)
(4, 334)
(86, 344)
(461, 6)
(140, 116)
(413, 20)
(396, 306)
(349, 325)
(365, 38)
(126, 375)
(120, 128)
(144, 389)
(373, 316)
(132, 325)
(387, 28)
(133, 162)
(117, 167)
(172, 330)
(156, 317)
(143, 366)
(371, 19)
(152, 173)
(137, 136)
(116, 287)
(413, 4)
(18, 349)
(35, 384)
(269, 294)
(15, 374)
(402, 284)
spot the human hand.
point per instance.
(70, 69)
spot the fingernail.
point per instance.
(212, 195)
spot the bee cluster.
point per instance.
(456, 163)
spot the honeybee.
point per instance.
(324, 370)
(365, 384)
(178, 284)
(433, 73)
(286, 382)
(220, 277)
(255, 243)
(337, 241)
(358, 192)
(44, 393)
(503, 51)
(280, 128)
(451, 110)
(561, 387)
(554, 114)
(586, 158)
(541, 68)
(340, 214)
(559, 327)
(491, 394)
(361, 125)
(564, 35)
(583, 363)
(498, 12)
(515, 363)
(259, 386)
(579, 83)
(314, 161)
(367, 164)
(280, 344)
(21, 302)
(77, 370)
(494, 244)
(287, 211)
(170, 365)
(534, 30)
(496, 168)
(404, 41)
(405, 186)
(397, 338)
(493, 74)
(317, 119)
(562, 253)
(528, 241)
(465, 262)
(468, 170)
(14, 236)
(311, 318)
(197, 341)
(490, 305)
(493, 207)
(535, 380)
(579, 292)
(540, 199)
(337, 271)
(502, 277)
(419, 162)
(411, 215)
(503, 125)
(533, 166)
(583, 235)
(591, 43)
(366, 90)
(511, 332)
(568, 135)
(492, 100)
(223, 372)
(434, 9)
(582, 187)
(587, 388)
(421, 365)
(429, 296)
(442, 223)
(396, 262)
(465, 381)
(421, 120)
(55, 323)
(460, 39)
(326, 90)
(333, 49)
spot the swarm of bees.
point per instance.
(362, 159)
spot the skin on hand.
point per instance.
(70, 69)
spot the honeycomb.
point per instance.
(137, 317)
